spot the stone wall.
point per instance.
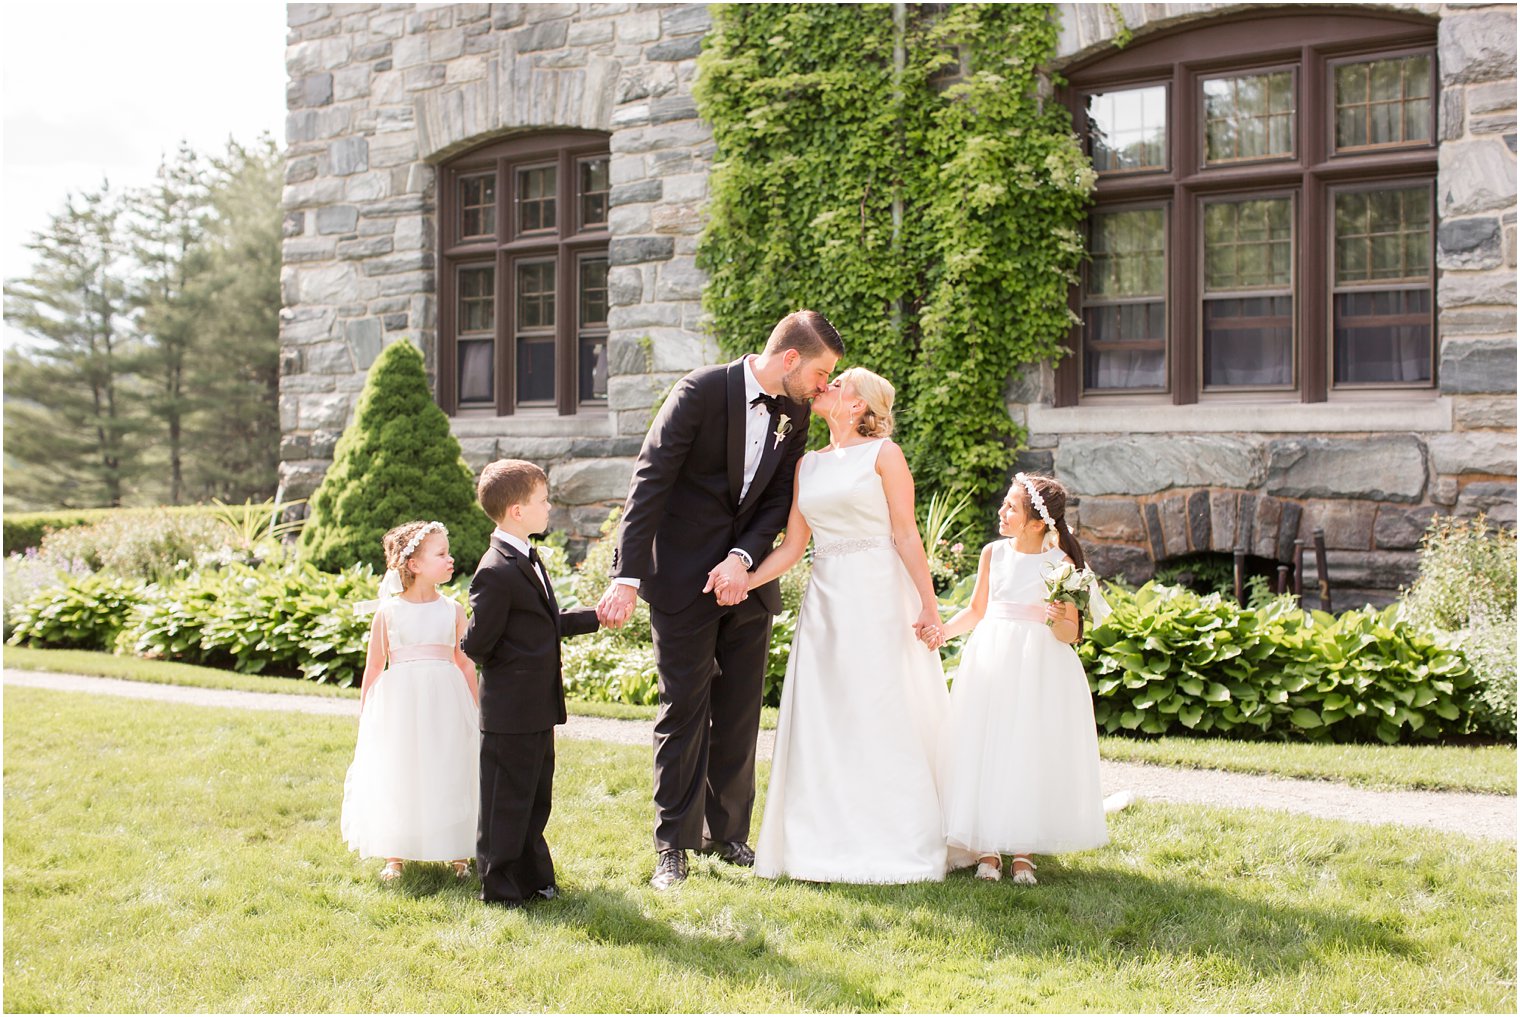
(379, 95)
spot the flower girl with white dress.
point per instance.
(1020, 758)
(413, 791)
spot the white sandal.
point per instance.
(461, 870)
(1024, 877)
(991, 873)
(391, 871)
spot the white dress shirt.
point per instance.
(757, 429)
(523, 547)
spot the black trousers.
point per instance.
(711, 661)
(516, 785)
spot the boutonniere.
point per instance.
(783, 428)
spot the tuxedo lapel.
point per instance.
(770, 453)
(738, 410)
(521, 563)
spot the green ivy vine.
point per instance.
(938, 228)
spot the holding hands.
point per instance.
(616, 605)
(928, 628)
(728, 581)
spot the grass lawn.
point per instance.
(1486, 768)
(189, 859)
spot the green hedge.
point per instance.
(1171, 661)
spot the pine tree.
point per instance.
(166, 230)
(233, 435)
(70, 411)
(396, 460)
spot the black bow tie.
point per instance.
(772, 403)
(533, 557)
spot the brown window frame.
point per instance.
(1311, 44)
(565, 244)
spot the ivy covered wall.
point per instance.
(937, 226)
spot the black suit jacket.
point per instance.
(514, 633)
(683, 513)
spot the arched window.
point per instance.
(523, 276)
(1264, 221)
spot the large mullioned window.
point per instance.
(523, 276)
(1263, 225)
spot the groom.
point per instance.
(712, 488)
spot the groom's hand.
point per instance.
(728, 581)
(616, 605)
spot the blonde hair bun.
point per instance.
(876, 420)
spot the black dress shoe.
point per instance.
(670, 870)
(734, 852)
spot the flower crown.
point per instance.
(421, 535)
(1035, 501)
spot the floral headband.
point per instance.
(1035, 501)
(421, 535)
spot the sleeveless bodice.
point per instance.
(841, 497)
(429, 624)
(1019, 578)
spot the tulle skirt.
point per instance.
(1020, 754)
(413, 790)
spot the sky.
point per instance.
(96, 91)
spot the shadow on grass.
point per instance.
(1110, 914)
(610, 916)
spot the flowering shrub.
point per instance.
(139, 543)
(1466, 590)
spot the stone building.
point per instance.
(1300, 310)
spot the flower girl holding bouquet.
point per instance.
(1020, 760)
(412, 793)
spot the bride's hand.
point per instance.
(929, 629)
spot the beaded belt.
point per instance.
(421, 651)
(1016, 612)
(839, 547)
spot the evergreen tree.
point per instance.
(70, 412)
(166, 229)
(233, 438)
(396, 460)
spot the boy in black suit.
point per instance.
(513, 635)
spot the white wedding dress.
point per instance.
(853, 795)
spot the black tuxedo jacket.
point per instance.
(683, 513)
(513, 636)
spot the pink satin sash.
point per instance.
(1016, 612)
(421, 651)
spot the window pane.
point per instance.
(535, 371)
(1383, 102)
(1249, 117)
(593, 368)
(1382, 336)
(1248, 244)
(477, 204)
(476, 372)
(593, 291)
(536, 191)
(1128, 253)
(1127, 130)
(1382, 235)
(1248, 341)
(1124, 312)
(477, 299)
(535, 294)
(594, 187)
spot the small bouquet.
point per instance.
(1068, 584)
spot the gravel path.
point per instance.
(1476, 815)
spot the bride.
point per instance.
(853, 794)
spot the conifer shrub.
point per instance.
(396, 460)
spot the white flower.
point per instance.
(783, 428)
